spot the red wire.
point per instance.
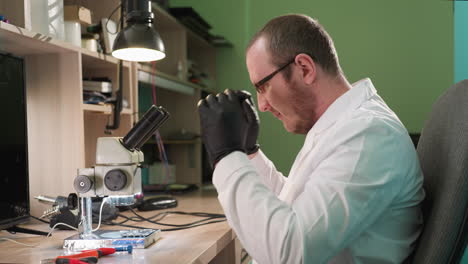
(153, 81)
(159, 141)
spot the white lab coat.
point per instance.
(352, 196)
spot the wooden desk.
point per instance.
(213, 243)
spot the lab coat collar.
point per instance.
(361, 91)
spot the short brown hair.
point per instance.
(292, 34)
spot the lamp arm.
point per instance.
(119, 94)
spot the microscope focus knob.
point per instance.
(82, 184)
(115, 180)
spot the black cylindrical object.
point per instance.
(70, 202)
(154, 117)
(139, 11)
(142, 127)
(158, 124)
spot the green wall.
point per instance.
(405, 47)
(461, 55)
(461, 41)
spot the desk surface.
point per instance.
(195, 245)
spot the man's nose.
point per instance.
(263, 104)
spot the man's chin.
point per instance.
(290, 129)
(295, 129)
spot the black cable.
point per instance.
(168, 229)
(137, 219)
(160, 215)
(39, 219)
(123, 222)
(209, 217)
(132, 218)
(187, 227)
(199, 214)
(108, 18)
(181, 225)
(164, 214)
(244, 256)
(119, 94)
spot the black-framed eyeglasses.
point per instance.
(260, 83)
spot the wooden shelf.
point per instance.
(184, 86)
(99, 60)
(21, 42)
(90, 55)
(164, 18)
(105, 109)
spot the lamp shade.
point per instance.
(138, 42)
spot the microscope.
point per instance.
(117, 178)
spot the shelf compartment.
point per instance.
(166, 82)
(105, 109)
(99, 60)
(93, 67)
(166, 20)
(22, 42)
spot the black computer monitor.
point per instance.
(14, 176)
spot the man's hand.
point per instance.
(223, 124)
(250, 138)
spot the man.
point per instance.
(354, 191)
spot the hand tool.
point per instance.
(85, 260)
(108, 251)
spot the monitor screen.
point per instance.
(14, 182)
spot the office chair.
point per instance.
(443, 153)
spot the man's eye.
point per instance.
(260, 89)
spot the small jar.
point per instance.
(89, 42)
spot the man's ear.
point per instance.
(308, 68)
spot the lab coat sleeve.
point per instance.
(342, 196)
(271, 177)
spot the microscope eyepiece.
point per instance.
(145, 127)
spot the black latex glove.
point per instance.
(223, 124)
(250, 138)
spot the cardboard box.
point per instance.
(77, 13)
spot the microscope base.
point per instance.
(137, 238)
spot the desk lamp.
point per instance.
(139, 41)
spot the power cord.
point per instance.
(107, 22)
(37, 244)
(57, 224)
(100, 214)
(39, 219)
(167, 229)
(244, 255)
(209, 218)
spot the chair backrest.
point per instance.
(443, 153)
